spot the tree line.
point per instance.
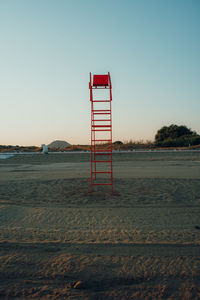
(167, 136)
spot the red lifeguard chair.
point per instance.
(101, 130)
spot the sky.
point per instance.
(47, 49)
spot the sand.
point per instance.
(57, 241)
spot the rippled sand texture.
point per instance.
(57, 241)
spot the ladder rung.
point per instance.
(103, 161)
(103, 153)
(101, 126)
(101, 172)
(101, 129)
(101, 120)
(101, 100)
(101, 113)
(101, 183)
(101, 110)
(101, 150)
(101, 140)
(102, 87)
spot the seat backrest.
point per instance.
(100, 80)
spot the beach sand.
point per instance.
(57, 241)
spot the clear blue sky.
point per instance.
(47, 49)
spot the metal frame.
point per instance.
(101, 121)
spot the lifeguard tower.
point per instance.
(101, 130)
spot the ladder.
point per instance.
(101, 131)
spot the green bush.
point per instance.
(183, 141)
(176, 136)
